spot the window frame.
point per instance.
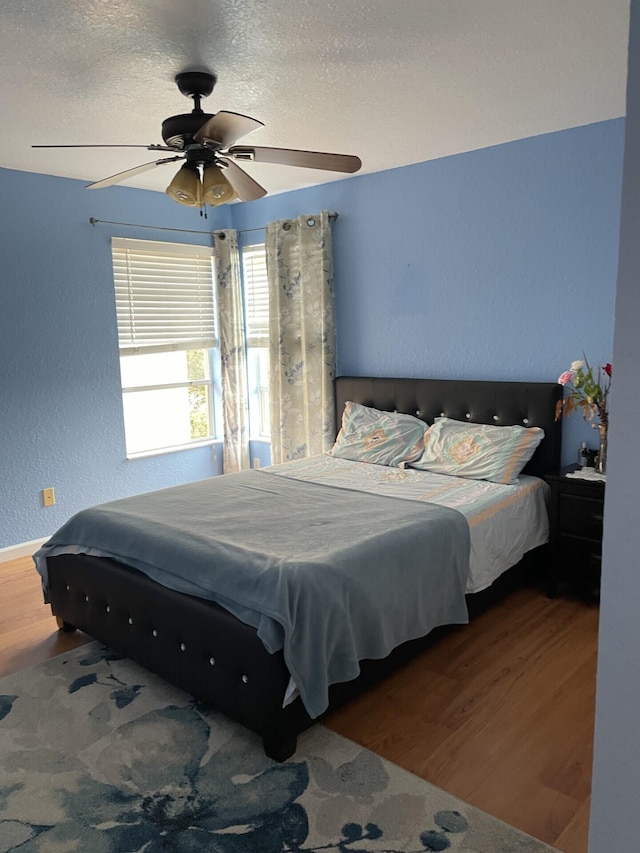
(196, 303)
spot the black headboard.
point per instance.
(477, 401)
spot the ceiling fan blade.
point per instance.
(224, 128)
(294, 157)
(129, 173)
(246, 188)
(107, 145)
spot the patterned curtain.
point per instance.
(235, 408)
(302, 336)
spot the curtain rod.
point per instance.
(95, 221)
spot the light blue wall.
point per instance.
(500, 263)
(60, 402)
(497, 264)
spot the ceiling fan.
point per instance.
(210, 173)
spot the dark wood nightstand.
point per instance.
(575, 517)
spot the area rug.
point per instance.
(97, 755)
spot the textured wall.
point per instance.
(496, 264)
(60, 402)
(499, 263)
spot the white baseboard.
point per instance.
(24, 549)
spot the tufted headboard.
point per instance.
(477, 401)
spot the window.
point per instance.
(256, 297)
(166, 332)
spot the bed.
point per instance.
(222, 656)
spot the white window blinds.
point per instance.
(164, 296)
(256, 295)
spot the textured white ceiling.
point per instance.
(393, 81)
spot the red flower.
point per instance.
(607, 368)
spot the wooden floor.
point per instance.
(499, 713)
(28, 631)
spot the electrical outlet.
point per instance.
(256, 462)
(48, 497)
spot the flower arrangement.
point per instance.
(587, 389)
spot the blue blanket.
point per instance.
(329, 575)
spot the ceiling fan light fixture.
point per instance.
(216, 189)
(185, 188)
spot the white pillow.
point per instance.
(478, 451)
(383, 438)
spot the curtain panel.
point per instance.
(235, 407)
(302, 336)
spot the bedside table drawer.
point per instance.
(580, 516)
(580, 552)
(579, 561)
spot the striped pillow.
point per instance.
(383, 438)
(478, 451)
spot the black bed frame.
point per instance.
(203, 649)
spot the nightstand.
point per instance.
(575, 517)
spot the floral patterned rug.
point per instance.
(97, 755)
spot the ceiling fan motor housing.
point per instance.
(178, 131)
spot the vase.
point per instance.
(601, 458)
